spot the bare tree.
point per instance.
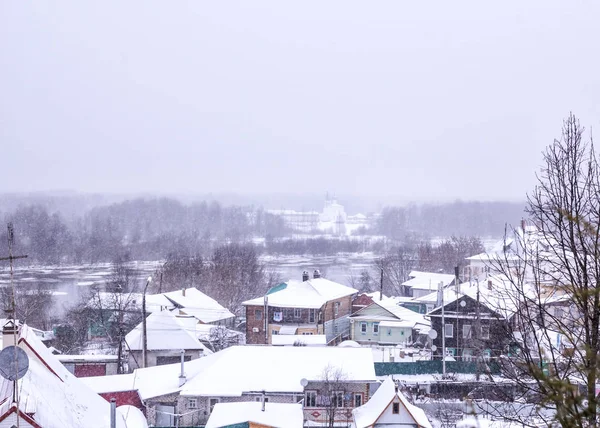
(221, 337)
(33, 305)
(333, 389)
(553, 280)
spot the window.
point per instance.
(297, 313)
(389, 332)
(212, 403)
(336, 308)
(192, 403)
(357, 399)
(258, 314)
(161, 361)
(337, 399)
(307, 333)
(466, 331)
(487, 354)
(259, 398)
(467, 354)
(375, 328)
(310, 399)
(274, 332)
(485, 331)
(311, 315)
(449, 330)
(363, 328)
(450, 352)
(395, 408)
(288, 313)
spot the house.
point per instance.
(386, 323)
(311, 306)
(423, 283)
(388, 407)
(49, 396)
(256, 414)
(120, 387)
(166, 337)
(192, 302)
(89, 365)
(186, 393)
(478, 319)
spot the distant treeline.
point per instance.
(152, 229)
(457, 218)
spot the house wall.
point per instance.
(319, 414)
(11, 421)
(398, 334)
(131, 398)
(252, 323)
(389, 418)
(135, 357)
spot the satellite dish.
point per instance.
(303, 382)
(432, 334)
(433, 348)
(14, 363)
(463, 303)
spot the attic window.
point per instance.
(395, 408)
(192, 403)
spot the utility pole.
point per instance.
(441, 287)
(456, 285)
(144, 330)
(478, 338)
(381, 282)
(13, 309)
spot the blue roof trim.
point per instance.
(277, 288)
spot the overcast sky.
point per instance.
(403, 100)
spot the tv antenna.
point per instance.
(14, 362)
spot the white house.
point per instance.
(422, 283)
(388, 407)
(167, 335)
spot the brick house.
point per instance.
(311, 306)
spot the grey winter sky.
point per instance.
(403, 100)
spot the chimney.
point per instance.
(489, 284)
(523, 224)
(305, 276)
(8, 333)
(317, 273)
(182, 374)
(183, 291)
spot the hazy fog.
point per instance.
(402, 100)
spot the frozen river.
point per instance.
(71, 283)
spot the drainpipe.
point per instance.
(182, 374)
(113, 413)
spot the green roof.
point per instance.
(277, 288)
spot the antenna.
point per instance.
(20, 361)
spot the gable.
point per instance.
(373, 310)
(388, 416)
(469, 308)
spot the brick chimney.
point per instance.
(316, 273)
(305, 276)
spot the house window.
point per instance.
(395, 408)
(336, 308)
(212, 402)
(485, 331)
(375, 328)
(389, 332)
(274, 332)
(363, 328)
(192, 403)
(310, 399)
(337, 399)
(467, 354)
(297, 313)
(487, 354)
(258, 314)
(449, 330)
(287, 314)
(450, 352)
(260, 399)
(466, 331)
(357, 399)
(311, 315)
(307, 333)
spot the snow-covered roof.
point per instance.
(403, 313)
(306, 339)
(369, 413)
(275, 414)
(50, 395)
(311, 294)
(240, 369)
(192, 301)
(110, 383)
(63, 358)
(164, 331)
(427, 280)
